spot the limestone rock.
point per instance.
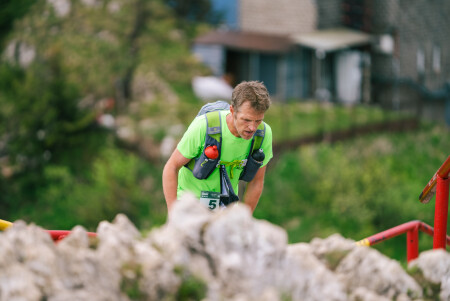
(368, 268)
(225, 255)
(435, 268)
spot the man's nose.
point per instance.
(253, 127)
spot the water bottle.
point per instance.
(258, 155)
(211, 152)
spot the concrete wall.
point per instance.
(417, 26)
(278, 17)
(330, 13)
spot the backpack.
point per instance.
(202, 166)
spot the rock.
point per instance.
(366, 267)
(434, 266)
(308, 278)
(363, 294)
(226, 255)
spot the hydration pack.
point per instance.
(202, 166)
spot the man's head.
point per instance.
(254, 92)
(250, 100)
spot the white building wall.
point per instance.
(211, 55)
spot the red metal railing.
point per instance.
(412, 237)
(438, 184)
(57, 235)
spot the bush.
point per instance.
(356, 188)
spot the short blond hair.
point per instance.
(253, 91)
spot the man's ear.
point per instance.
(232, 110)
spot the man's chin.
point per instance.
(247, 136)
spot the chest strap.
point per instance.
(233, 165)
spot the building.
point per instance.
(411, 56)
(395, 53)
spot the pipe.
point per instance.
(441, 213)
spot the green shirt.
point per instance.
(233, 148)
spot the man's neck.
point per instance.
(230, 124)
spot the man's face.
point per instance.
(246, 120)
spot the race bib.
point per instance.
(210, 199)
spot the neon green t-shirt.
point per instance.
(233, 148)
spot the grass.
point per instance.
(356, 187)
(302, 118)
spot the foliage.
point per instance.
(39, 113)
(192, 10)
(129, 284)
(192, 287)
(356, 188)
(191, 13)
(116, 182)
(10, 11)
(431, 290)
(64, 169)
(297, 119)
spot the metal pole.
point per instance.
(441, 213)
(412, 243)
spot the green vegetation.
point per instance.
(129, 284)
(59, 168)
(430, 290)
(300, 119)
(191, 288)
(356, 188)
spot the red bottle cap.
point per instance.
(212, 152)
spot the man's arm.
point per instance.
(254, 189)
(170, 177)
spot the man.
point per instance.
(250, 100)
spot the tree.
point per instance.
(11, 10)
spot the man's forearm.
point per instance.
(170, 176)
(254, 189)
(170, 183)
(252, 194)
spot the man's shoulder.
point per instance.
(267, 128)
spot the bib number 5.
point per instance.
(210, 199)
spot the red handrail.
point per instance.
(439, 184)
(430, 188)
(412, 237)
(57, 235)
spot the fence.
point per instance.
(438, 184)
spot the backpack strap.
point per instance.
(252, 166)
(213, 137)
(258, 137)
(213, 126)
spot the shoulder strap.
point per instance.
(213, 125)
(213, 134)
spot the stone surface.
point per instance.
(227, 255)
(435, 268)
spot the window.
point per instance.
(420, 61)
(436, 59)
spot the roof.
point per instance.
(247, 41)
(332, 39)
